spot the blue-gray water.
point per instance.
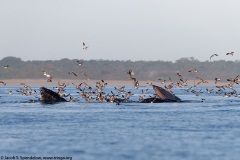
(193, 129)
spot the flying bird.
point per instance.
(201, 80)
(162, 81)
(144, 91)
(3, 83)
(213, 56)
(193, 71)
(6, 66)
(149, 83)
(86, 76)
(230, 53)
(73, 73)
(84, 46)
(46, 74)
(135, 83)
(189, 89)
(216, 80)
(49, 79)
(209, 90)
(104, 83)
(120, 90)
(179, 75)
(79, 62)
(130, 74)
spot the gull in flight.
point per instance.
(3, 83)
(73, 73)
(46, 74)
(79, 62)
(6, 66)
(86, 76)
(216, 80)
(84, 46)
(230, 53)
(193, 71)
(213, 56)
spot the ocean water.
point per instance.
(201, 127)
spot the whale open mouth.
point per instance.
(50, 96)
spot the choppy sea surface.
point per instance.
(201, 127)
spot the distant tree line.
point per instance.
(117, 70)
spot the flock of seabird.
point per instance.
(214, 55)
(96, 93)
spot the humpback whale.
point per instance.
(49, 96)
(162, 95)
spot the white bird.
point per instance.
(193, 71)
(46, 74)
(79, 62)
(6, 66)
(84, 46)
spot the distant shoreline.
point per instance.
(43, 82)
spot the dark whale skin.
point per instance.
(50, 96)
(162, 96)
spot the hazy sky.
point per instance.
(120, 29)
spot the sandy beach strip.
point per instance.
(43, 82)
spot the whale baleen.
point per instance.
(162, 95)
